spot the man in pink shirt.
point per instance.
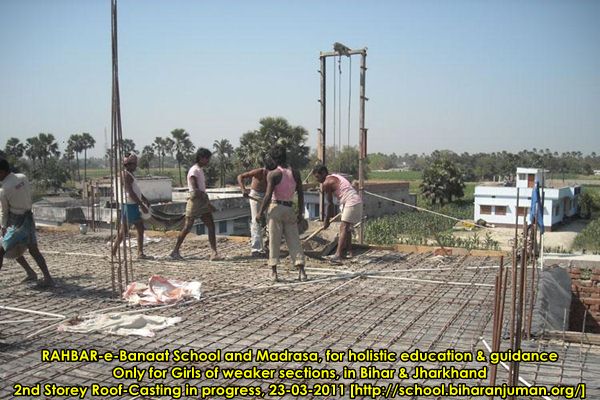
(282, 183)
(198, 205)
(349, 199)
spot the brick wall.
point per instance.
(585, 287)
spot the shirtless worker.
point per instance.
(198, 205)
(282, 182)
(134, 201)
(17, 223)
(258, 186)
(351, 204)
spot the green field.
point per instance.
(396, 175)
(105, 172)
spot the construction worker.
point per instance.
(198, 205)
(17, 223)
(256, 194)
(351, 204)
(282, 182)
(134, 201)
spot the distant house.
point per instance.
(597, 172)
(498, 205)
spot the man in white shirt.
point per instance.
(198, 205)
(17, 224)
(130, 213)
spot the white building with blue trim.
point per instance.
(498, 205)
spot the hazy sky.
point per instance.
(460, 75)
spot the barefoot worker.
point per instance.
(255, 196)
(198, 205)
(134, 200)
(282, 182)
(351, 204)
(17, 224)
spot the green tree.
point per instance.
(442, 181)
(272, 131)
(345, 161)
(54, 174)
(14, 149)
(69, 156)
(41, 148)
(147, 157)
(183, 148)
(128, 146)
(159, 147)
(223, 158)
(75, 146)
(381, 161)
(87, 142)
(588, 203)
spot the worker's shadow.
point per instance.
(71, 287)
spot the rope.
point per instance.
(424, 209)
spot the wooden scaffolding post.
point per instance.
(362, 140)
(340, 50)
(321, 146)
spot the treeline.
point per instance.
(487, 166)
(51, 166)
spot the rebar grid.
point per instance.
(365, 313)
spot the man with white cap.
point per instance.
(134, 200)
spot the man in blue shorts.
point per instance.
(134, 200)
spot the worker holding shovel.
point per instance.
(256, 194)
(351, 204)
(282, 183)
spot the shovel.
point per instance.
(321, 229)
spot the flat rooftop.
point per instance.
(380, 300)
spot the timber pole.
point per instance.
(362, 139)
(322, 142)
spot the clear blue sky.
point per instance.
(460, 75)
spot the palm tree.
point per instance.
(182, 147)
(75, 146)
(48, 147)
(169, 148)
(224, 151)
(14, 148)
(32, 149)
(128, 146)
(87, 142)
(159, 147)
(146, 158)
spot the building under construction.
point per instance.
(382, 300)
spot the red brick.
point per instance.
(590, 300)
(574, 270)
(581, 282)
(588, 291)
